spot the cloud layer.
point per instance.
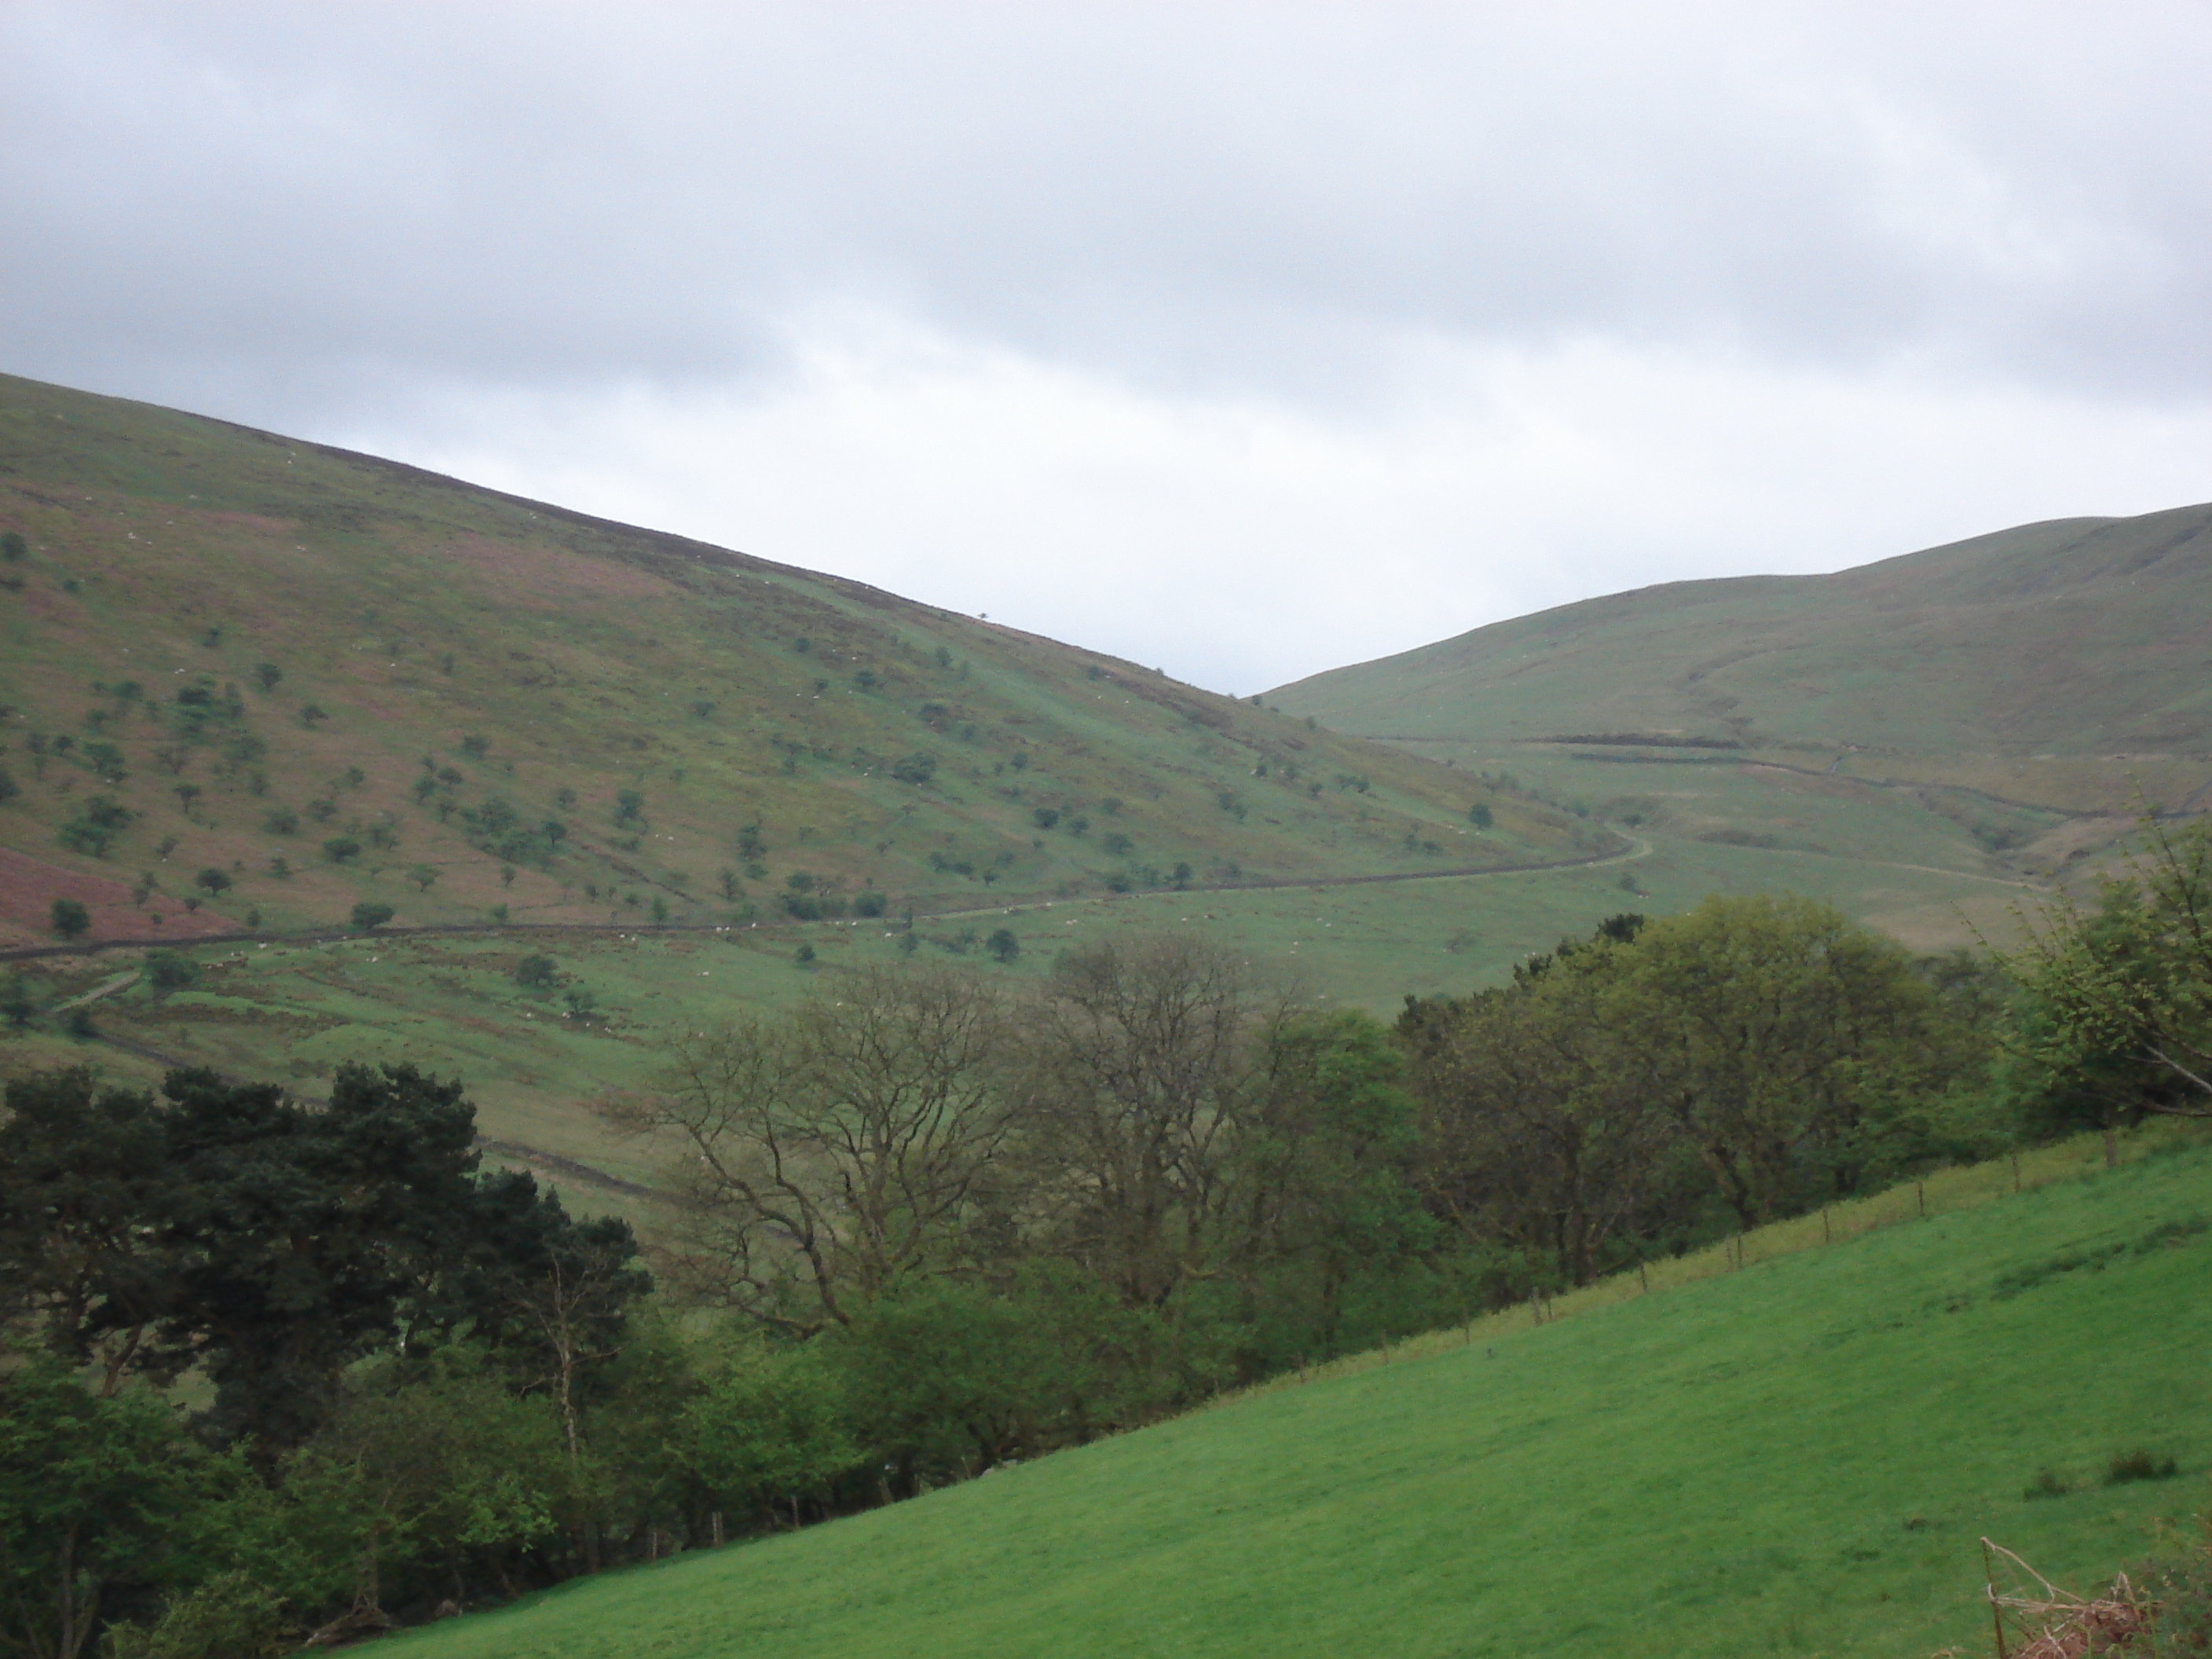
(1244, 339)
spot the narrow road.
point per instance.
(1635, 849)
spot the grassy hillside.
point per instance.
(1796, 1457)
(1996, 705)
(449, 672)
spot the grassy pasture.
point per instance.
(1795, 1457)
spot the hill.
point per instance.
(327, 680)
(1996, 706)
(1796, 1457)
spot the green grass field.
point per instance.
(1798, 1457)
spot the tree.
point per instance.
(1138, 1053)
(535, 973)
(629, 806)
(367, 916)
(1480, 815)
(309, 714)
(69, 918)
(2115, 1015)
(266, 675)
(212, 880)
(13, 548)
(340, 849)
(827, 1154)
(170, 971)
(1003, 946)
(1319, 1161)
(423, 876)
(91, 1492)
(1778, 1036)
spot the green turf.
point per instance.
(1795, 1458)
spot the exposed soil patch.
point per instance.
(29, 886)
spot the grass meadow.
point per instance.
(1799, 1457)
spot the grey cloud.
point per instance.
(289, 210)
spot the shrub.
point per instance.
(915, 768)
(476, 745)
(1045, 817)
(369, 914)
(629, 806)
(1003, 946)
(1479, 815)
(1118, 844)
(97, 823)
(869, 904)
(2139, 1466)
(69, 918)
(804, 955)
(340, 849)
(309, 714)
(2046, 1485)
(537, 974)
(266, 674)
(13, 548)
(8, 788)
(212, 880)
(167, 972)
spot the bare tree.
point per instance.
(1138, 1053)
(825, 1155)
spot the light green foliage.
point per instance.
(1795, 1458)
(2117, 1012)
(766, 1425)
(90, 1489)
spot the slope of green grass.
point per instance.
(2072, 639)
(1797, 1457)
(458, 667)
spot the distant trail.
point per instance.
(1636, 849)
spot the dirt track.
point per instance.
(28, 952)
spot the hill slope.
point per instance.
(497, 703)
(2075, 638)
(1997, 706)
(1794, 1458)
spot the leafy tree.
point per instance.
(767, 1427)
(2116, 1006)
(266, 675)
(423, 876)
(310, 713)
(213, 880)
(91, 1490)
(340, 849)
(96, 825)
(1480, 815)
(369, 914)
(170, 971)
(69, 918)
(186, 794)
(629, 806)
(1003, 946)
(537, 972)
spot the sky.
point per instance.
(1242, 340)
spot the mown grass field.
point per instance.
(1797, 1457)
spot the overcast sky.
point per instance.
(1244, 340)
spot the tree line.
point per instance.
(279, 1370)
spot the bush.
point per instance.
(212, 880)
(69, 918)
(870, 905)
(476, 745)
(629, 806)
(536, 973)
(367, 916)
(2139, 1466)
(266, 674)
(915, 768)
(340, 849)
(1045, 817)
(2046, 1484)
